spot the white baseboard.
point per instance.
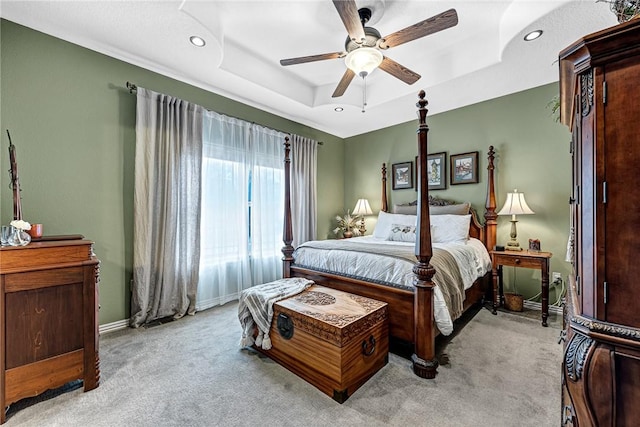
(212, 302)
(203, 305)
(113, 326)
(532, 305)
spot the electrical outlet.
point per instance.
(556, 276)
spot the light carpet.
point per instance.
(503, 370)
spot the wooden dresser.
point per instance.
(48, 318)
(600, 102)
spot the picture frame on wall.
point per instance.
(402, 175)
(464, 168)
(437, 171)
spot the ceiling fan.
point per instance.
(364, 44)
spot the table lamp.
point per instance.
(362, 208)
(514, 205)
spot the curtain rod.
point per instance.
(132, 88)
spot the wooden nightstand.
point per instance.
(539, 260)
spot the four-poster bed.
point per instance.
(411, 311)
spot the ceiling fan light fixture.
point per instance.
(363, 60)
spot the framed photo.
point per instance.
(437, 171)
(464, 168)
(402, 175)
(534, 245)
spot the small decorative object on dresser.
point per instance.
(534, 245)
(36, 231)
(402, 175)
(19, 235)
(464, 168)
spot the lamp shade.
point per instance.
(515, 205)
(362, 208)
(363, 60)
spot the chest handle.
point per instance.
(285, 326)
(369, 348)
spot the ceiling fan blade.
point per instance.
(424, 28)
(348, 12)
(399, 71)
(312, 58)
(344, 83)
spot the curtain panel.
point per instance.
(168, 164)
(304, 158)
(243, 208)
(209, 206)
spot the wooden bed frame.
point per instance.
(411, 316)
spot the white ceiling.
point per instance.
(483, 57)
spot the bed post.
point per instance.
(490, 215)
(384, 207)
(287, 233)
(424, 360)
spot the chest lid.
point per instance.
(332, 315)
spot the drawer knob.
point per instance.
(517, 260)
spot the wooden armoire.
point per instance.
(600, 102)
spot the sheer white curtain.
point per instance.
(166, 246)
(304, 154)
(242, 208)
(267, 204)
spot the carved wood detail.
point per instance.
(576, 355)
(333, 316)
(608, 328)
(586, 92)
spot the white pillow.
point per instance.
(402, 233)
(386, 220)
(449, 228)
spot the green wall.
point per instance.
(73, 123)
(532, 156)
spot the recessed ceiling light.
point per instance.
(533, 35)
(339, 109)
(197, 41)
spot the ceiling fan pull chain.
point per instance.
(364, 93)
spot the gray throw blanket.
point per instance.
(256, 308)
(448, 277)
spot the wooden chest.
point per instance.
(332, 339)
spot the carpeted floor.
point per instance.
(503, 370)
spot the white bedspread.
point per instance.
(471, 256)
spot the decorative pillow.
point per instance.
(449, 228)
(459, 209)
(402, 233)
(386, 220)
(406, 209)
